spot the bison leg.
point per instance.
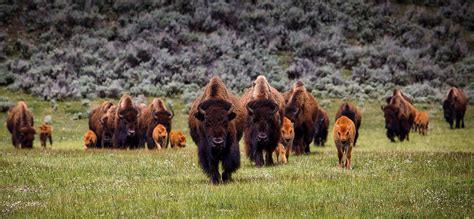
(349, 157)
(214, 171)
(50, 139)
(268, 158)
(458, 122)
(339, 155)
(258, 158)
(231, 163)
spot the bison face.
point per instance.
(448, 110)
(129, 119)
(391, 118)
(344, 135)
(262, 118)
(215, 115)
(26, 136)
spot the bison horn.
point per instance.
(231, 108)
(249, 107)
(275, 106)
(201, 110)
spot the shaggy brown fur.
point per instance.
(45, 134)
(126, 123)
(156, 113)
(215, 123)
(108, 127)
(90, 139)
(321, 126)
(177, 139)
(263, 115)
(95, 121)
(287, 135)
(302, 110)
(344, 136)
(454, 107)
(350, 111)
(421, 123)
(160, 136)
(399, 118)
(20, 125)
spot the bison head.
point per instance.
(295, 105)
(391, 118)
(216, 115)
(107, 122)
(262, 117)
(26, 136)
(448, 110)
(128, 118)
(287, 131)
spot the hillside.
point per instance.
(358, 49)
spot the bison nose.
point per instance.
(287, 139)
(217, 141)
(131, 132)
(262, 136)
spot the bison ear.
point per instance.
(231, 116)
(199, 116)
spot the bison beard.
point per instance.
(262, 132)
(216, 139)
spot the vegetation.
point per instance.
(429, 176)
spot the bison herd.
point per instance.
(268, 120)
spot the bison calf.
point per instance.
(45, 134)
(281, 152)
(160, 136)
(177, 139)
(90, 139)
(344, 137)
(287, 136)
(421, 122)
(351, 112)
(20, 125)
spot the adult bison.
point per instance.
(20, 125)
(155, 114)
(264, 107)
(215, 123)
(126, 122)
(351, 112)
(302, 110)
(95, 123)
(108, 127)
(399, 118)
(454, 107)
(321, 126)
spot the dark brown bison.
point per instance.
(215, 123)
(126, 123)
(351, 112)
(399, 118)
(95, 118)
(156, 113)
(302, 110)
(454, 107)
(264, 115)
(108, 127)
(321, 126)
(20, 125)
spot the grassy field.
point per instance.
(429, 176)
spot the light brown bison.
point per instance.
(90, 139)
(321, 126)
(95, 118)
(160, 136)
(46, 132)
(344, 137)
(287, 136)
(126, 123)
(20, 125)
(351, 112)
(281, 152)
(399, 117)
(421, 123)
(156, 113)
(263, 115)
(454, 107)
(215, 123)
(302, 110)
(177, 139)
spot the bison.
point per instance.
(95, 118)
(351, 112)
(160, 136)
(126, 122)
(20, 125)
(281, 153)
(177, 139)
(344, 132)
(302, 110)
(264, 115)
(215, 123)
(454, 107)
(321, 126)
(107, 122)
(287, 136)
(421, 123)
(45, 134)
(156, 113)
(399, 118)
(90, 139)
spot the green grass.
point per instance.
(428, 176)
